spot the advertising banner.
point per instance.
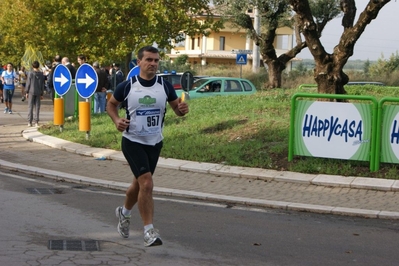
(390, 134)
(333, 130)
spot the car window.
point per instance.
(174, 79)
(247, 86)
(198, 83)
(232, 86)
(210, 87)
(216, 86)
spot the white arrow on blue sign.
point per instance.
(62, 80)
(133, 72)
(241, 59)
(86, 80)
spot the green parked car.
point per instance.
(219, 86)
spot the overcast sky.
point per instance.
(381, 36)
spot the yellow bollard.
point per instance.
(59, 112)
(84, 116)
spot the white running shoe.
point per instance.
(124, 223)
(152, 238)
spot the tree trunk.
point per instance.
(275, 69)
(276, 65)
(329, 77)
(328, 72)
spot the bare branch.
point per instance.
(348, 7)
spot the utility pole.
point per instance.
(256, 54)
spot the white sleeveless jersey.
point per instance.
(146, 110)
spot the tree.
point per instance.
(274, 14)
(328, 72)
(384, 68)
(102, 30)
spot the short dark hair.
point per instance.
(82, 57)
(148, 48)
(57, 58)
(35, 64)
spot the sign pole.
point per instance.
(241, 58)
(86, 84)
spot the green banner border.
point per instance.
(374, 114)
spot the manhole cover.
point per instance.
(74, 245)
(43, 191)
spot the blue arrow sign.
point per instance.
(241, 59)
(86, 80)
(133, 72)
(132, 63)
(62, 79)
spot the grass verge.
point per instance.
(249, 131)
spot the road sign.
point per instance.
(132, 63)
(238, 51)
(241, 59)
(186, 80)
(133, 72)
(62, 79)
(86, 81)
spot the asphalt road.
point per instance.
(194, 232)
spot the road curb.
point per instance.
(288, 206)
(32, 134)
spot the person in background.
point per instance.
(119, 76)
(81, 59)
(50, 77)
(9, 77)
(147, 95)
(22, 81)
(71, 68)
(1, 84)
(46, 71)
(34, 93)
(100, 95)
(116, 78)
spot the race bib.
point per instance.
(148, 122)
(9, 81)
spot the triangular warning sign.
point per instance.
(241, 59)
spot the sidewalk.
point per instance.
(62, 160)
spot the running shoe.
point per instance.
(124, 222)
(152, 238)
(5, 110)
(10, 111)
(29, 124)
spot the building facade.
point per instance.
(217, 47)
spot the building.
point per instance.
(217, 47)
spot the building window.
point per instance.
(192, 43)
(282, 42)
(222, 42)
(199, 42)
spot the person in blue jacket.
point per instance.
(1, 83)
(9, 77)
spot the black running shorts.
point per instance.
(141, 158)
